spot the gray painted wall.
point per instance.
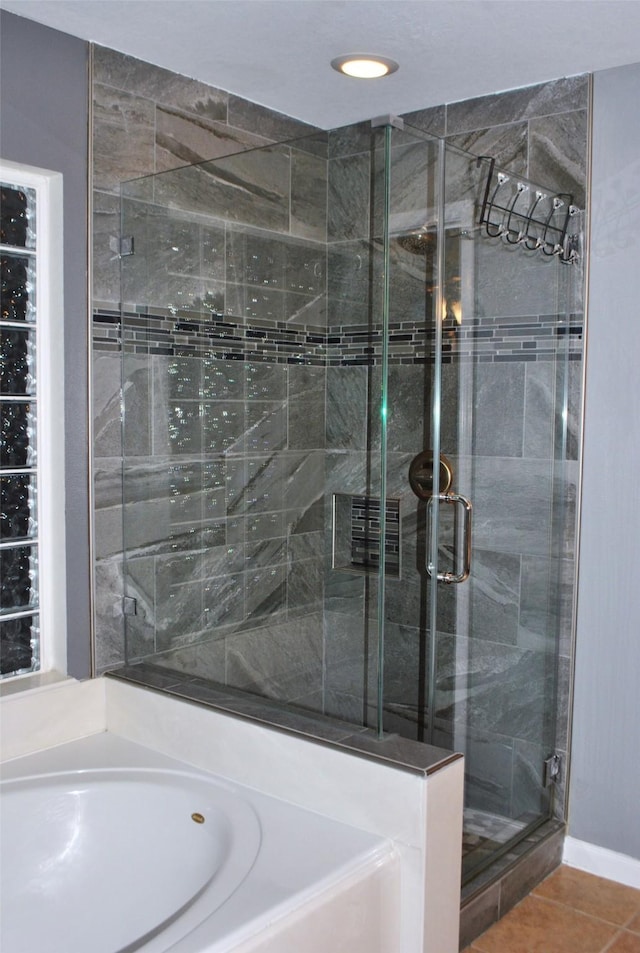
(44, 108)
(605, 771)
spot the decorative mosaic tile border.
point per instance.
(490, 340)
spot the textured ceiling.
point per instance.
(277, 52)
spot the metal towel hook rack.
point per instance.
(515, 213)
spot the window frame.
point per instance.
(50, 444)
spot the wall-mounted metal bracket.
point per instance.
(552, 772)
(126, 246)
(387, 120)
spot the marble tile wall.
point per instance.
(224, 469)
(232, 463)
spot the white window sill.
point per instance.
(31, 683)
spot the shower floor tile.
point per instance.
(483, 834)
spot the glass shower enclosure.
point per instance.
(350, 388)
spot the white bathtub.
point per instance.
(110, 847)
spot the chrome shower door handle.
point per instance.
(453, 499)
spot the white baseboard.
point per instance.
(601, 861)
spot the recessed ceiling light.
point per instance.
(364, 65)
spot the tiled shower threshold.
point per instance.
(401, 753)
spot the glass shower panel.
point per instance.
(239, 277)
(486, 673)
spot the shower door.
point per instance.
(472, 627)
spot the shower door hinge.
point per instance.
(129, 605)
(552, 770)
(126, 246)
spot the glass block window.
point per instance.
(19, 544)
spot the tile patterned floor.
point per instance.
(569, 912)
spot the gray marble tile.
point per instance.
(225, 428)
(344, 593)
(346, 404)
(536, 621)
(107, 481)
(109, 620)
(251, 188)
(179, 615)
(265, 381)
(540, 409)
(273, 125)
(530, 797)
(507, 144)
(488, 772)
(513, 282)
(161, 85)
(205, 659)
(171, 253)
(498, 398)
(508, 690)
(347, 471)
(495, 596)
(266, 426)
(309, 519)
(255, 258)
(406, 665)
(351, 140)
(407, 402)
(308, 195)
(260, 526)
(412, 176)
(123, 137)
(511, 500)
(223, 380)
(280, 661)
(302, 481)
(351, 662)
(349, 294)
(431, 120)
(306, 309)
(182, 139)
(106, 260)
(305, 268)
(261, 553)
(516, 105)
(351, 708)
(266, 594)
(223, 601)
(306, 407)
(263, 489)
(348, 198)
(139, 577)
(107, 425)
(251, 301)
(558, 153)
(183, 377)
(409, 276)
(196, 491)
(305, 589)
